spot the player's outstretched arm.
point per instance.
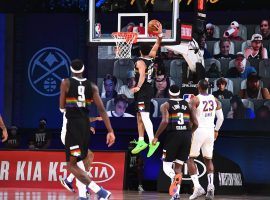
(155, 48)
(220, 118)
(164, 122)
(97, 100)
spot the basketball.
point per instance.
(152, 27)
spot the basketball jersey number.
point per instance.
(81, 96)
(180, 118)
(208, 106)
(149, 73)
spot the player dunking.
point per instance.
(76, 95)
(207, 107)
(144, 91)
(179, 121)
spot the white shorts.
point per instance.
(64, 129)
(202, 139)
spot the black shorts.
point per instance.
(77, 138)
(177, 146)
(143, 98)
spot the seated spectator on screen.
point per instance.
(121, 104)
(213, 71)
(233, 31)
(253, 89)
(222, 92)
(265, 29)
(129, 27)
(202, 45)
(263, 113)
(210, 32)
(162, 84)
(240, 70)
(126, 89)
(256, 50)
(13, 141)
(110, 82)
(41, 139)
(238, 110)
(224, 46)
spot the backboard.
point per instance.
(108, 16)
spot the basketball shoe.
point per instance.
(67, 185)
(103, 194)
(141, 145)
(152, 149)
(197, 193)
(176, 181)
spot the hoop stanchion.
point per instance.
(124, 41)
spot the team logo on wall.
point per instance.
(46, 70)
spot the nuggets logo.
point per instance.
(46, 70)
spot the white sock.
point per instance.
(178, 189)
(210, 177)
(81, 187)
(70, 177)
(141, 138)
(94, 187)
(148, 125)
(168, 170)
(195, 180)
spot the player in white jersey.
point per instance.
(207, 108)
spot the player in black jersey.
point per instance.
(179, 121)
(76, 95)
(144, 91)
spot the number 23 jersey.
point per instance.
(206, 111)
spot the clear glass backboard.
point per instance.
(108, 16)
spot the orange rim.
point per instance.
(127, 35)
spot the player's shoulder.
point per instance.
(93, 86)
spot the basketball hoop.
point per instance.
(124, 41)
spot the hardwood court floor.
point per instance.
(47, 194)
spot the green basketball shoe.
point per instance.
(152, 149)
(141, 145)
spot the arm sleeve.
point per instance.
(220, 119)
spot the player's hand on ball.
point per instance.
(110, 139)
(159, 29)
(154, 141)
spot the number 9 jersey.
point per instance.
(78, 98)
(206, 111)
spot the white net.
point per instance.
(124, 41)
